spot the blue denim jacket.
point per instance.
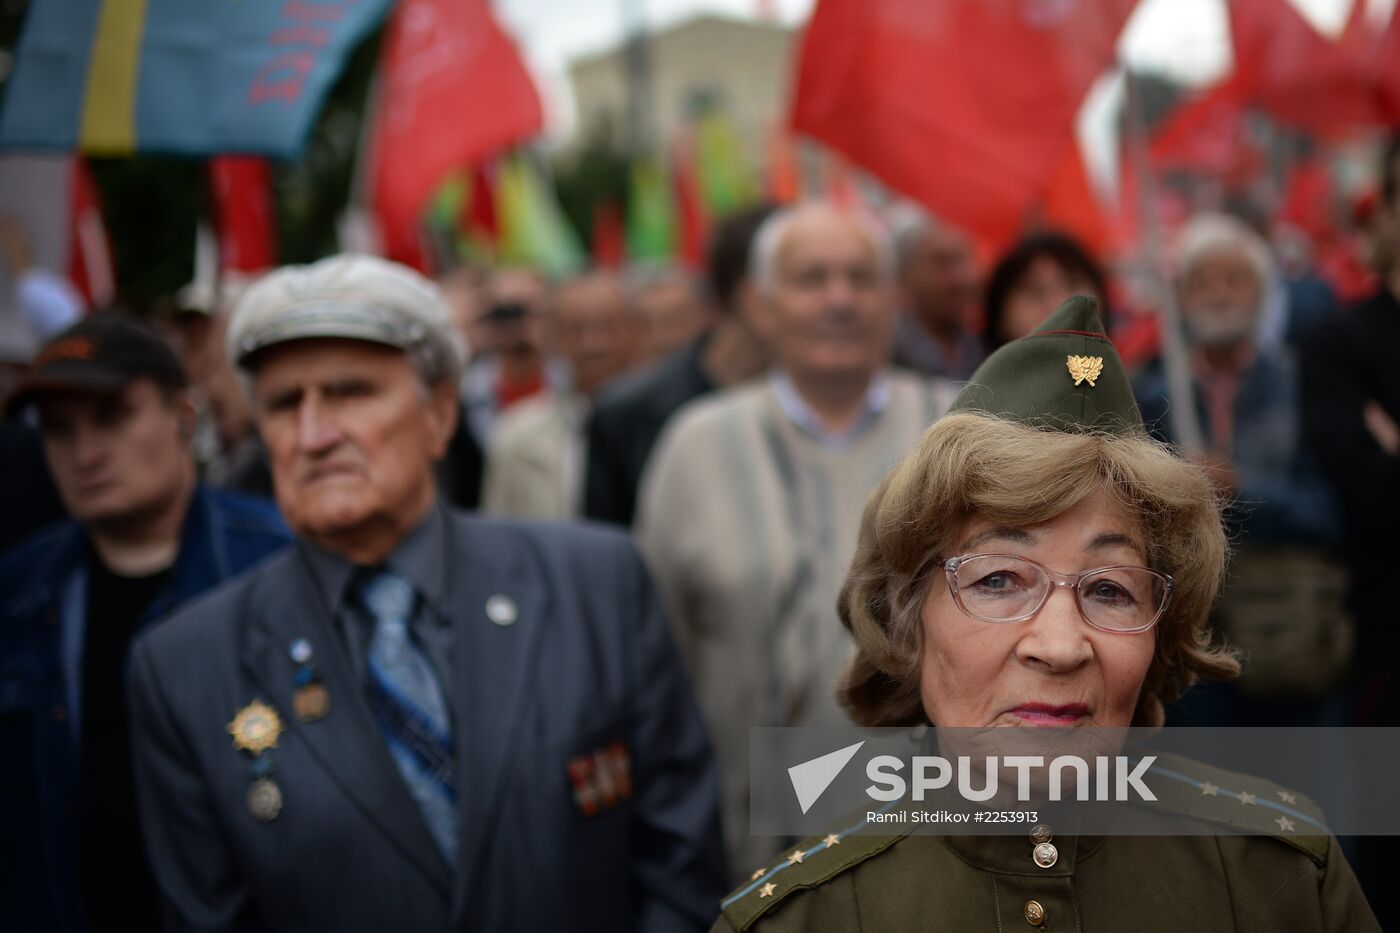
(43, 583)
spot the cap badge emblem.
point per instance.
(1084, 368)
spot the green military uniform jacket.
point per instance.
(1276, 880)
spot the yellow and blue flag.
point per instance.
(196, 77)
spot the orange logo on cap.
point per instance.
(70, 348)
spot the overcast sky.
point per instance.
(1187, 38)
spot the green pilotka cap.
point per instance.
(1065, 376)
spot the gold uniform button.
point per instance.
(1045, 855)
(1041, 833)
(1035, 913)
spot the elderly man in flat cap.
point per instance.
(413, 720)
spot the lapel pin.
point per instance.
(310, 700)
(501, 610)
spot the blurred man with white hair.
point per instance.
(1246, 397)
(414, 719)
(751, 502)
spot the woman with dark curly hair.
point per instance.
(1034, 278)
(1043, 478)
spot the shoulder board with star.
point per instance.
(1241, 801)
(810, 863)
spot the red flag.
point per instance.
(243, 217)
(691, 223)
(1205, 134)
(1298, 75)
(452, 91)
(609, 236)
(89, 251)
(479, 220)
(965, 105)
(783, 178)
(1072, 205)
(1307, 199)
(1386, 68)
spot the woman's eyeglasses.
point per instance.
(1003, 588)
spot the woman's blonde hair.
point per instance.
(976, 466)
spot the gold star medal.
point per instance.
(1084, 368)
(255, 728)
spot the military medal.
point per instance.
(264, 800)
(256, 728)
(311, 701)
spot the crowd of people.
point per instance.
(277, 651)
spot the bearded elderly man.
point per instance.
(751, 503)
(1245, 393)
(415, 720)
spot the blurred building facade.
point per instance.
(740, 67)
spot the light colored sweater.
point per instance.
(749, 526)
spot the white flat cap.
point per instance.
(350, 296)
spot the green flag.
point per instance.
(651, 215)
(534, 231)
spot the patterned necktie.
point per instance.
(407, 700)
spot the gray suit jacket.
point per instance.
(588, 664)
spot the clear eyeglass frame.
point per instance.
(1073, 581)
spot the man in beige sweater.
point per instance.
(750, 506)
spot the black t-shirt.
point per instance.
(114, 874)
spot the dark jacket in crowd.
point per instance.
(31, 499)
(624, 426)
(1347, 362)
(561, 668)
(1283, 496)
(43, 585)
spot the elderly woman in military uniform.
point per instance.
(1042, 479)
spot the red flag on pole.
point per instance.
(783, 175)
(1072, 204)
(1205, 134)
(243, 217)
(965, 105)
(453, 90)
(1387, 70)
(89, 251)
(692, 226)
(1301, 77)
(609, 239)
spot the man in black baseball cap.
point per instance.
(101, 354)
(144, 537)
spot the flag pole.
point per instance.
(357, 231)
(1185, 425)
(639, 98)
